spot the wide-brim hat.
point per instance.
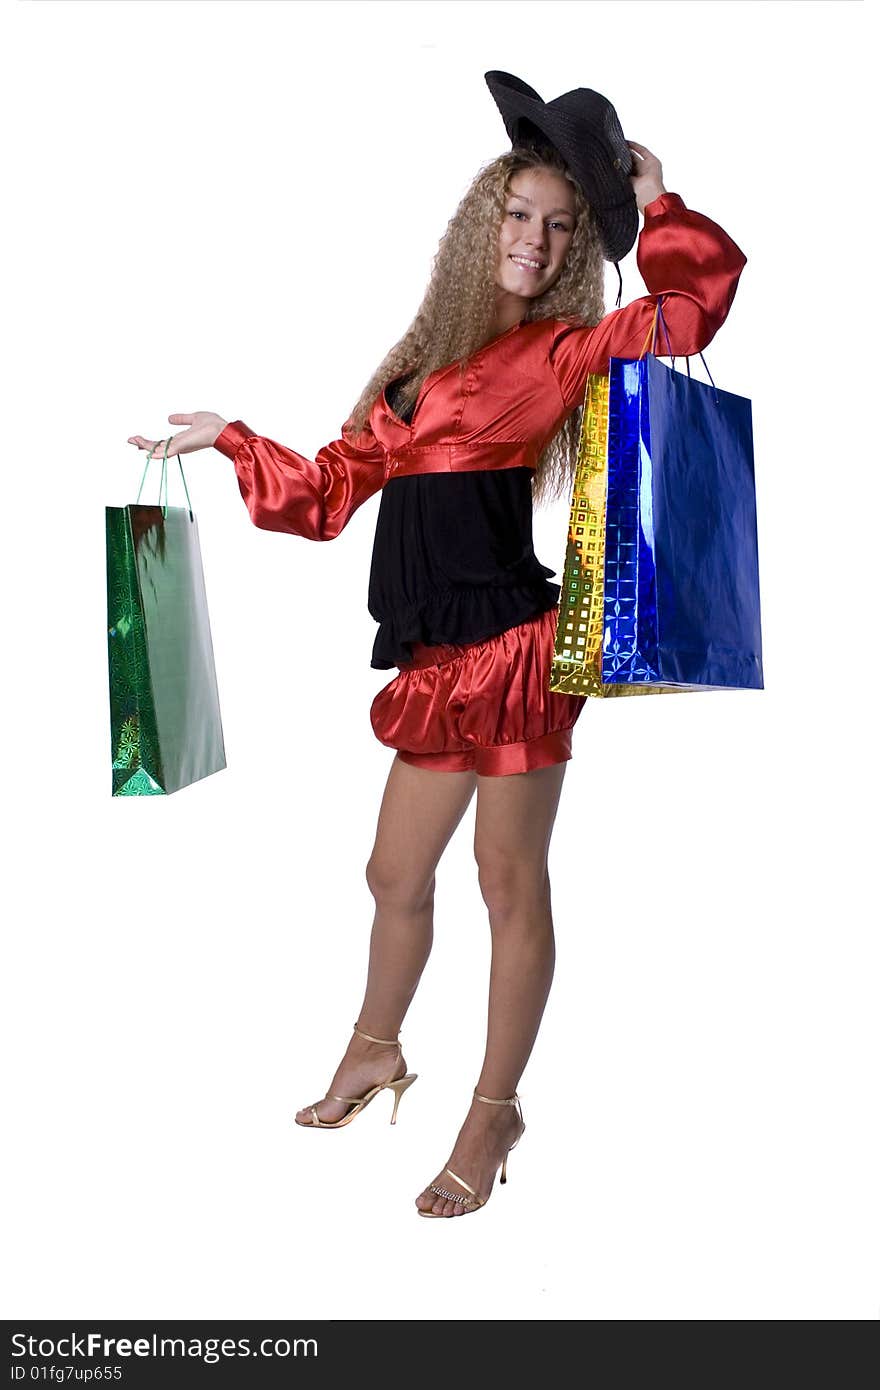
(583, 126)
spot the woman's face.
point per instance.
(536, 233)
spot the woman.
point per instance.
(470, 418)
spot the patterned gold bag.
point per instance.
(577, 663)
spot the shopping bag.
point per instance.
(660, 589)
(165, 722)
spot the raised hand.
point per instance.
(647, 181)
(204, 427)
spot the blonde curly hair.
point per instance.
(456, 316)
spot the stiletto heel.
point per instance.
(475, 1201)
(398, 1085)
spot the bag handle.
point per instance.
(163, 478)
(652, 334)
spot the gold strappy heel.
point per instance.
(361, 1102)
(475, 1201)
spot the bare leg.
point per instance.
(420, 810)
(515, 817)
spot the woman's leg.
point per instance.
(419, 812)
(515, 816)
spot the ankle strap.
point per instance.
(393, 1042)
(514, 1100)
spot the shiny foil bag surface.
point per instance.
(681, 601)
(576, 668)
(660, 583)
(165, 722)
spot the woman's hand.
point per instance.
(204, 427)
(647, 182)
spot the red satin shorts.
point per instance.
(483, 707)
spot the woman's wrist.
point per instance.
(656, 192)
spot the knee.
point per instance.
(513, 890)
(393, 886)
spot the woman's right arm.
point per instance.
(284, 490)
(314, 498)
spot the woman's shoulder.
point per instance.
(539, 340)
(545, 332)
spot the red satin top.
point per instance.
(515, 393)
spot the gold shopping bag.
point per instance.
(576, 668)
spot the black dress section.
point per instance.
(453, 559)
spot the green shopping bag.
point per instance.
(164, 705)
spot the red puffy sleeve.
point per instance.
(681, 255)
(284, 491)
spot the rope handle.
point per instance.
(163, 479)
(652, 331)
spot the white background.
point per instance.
(234, 207)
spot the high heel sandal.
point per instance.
(398, 1086)
(475, 1201)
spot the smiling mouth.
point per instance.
(527, 264)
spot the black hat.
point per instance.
(583, 126)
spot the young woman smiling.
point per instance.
(472, 417)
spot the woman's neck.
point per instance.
(508, 311)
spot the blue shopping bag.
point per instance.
(681, 591)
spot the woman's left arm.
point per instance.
(683, 256)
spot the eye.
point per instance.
(518, 212)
